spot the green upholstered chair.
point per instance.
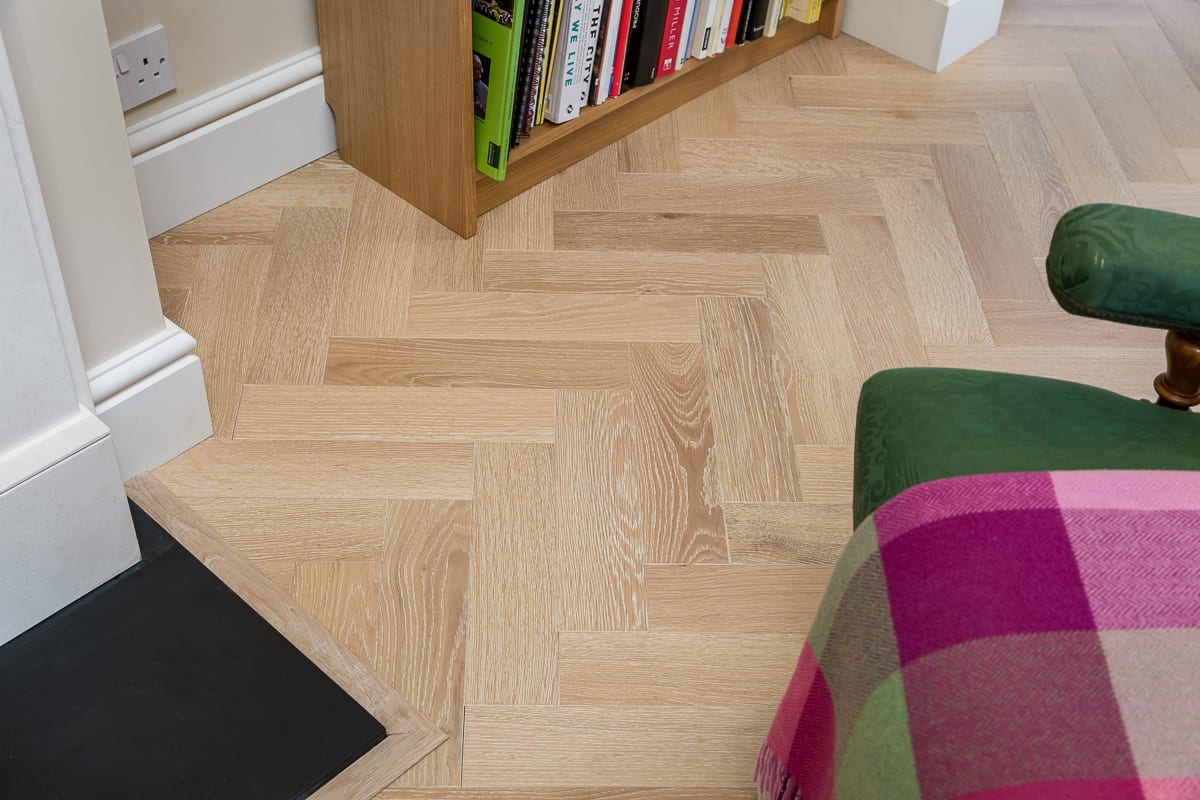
(1117, 263)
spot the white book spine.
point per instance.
(610, 50)
(702, 38)
(723, 31)
(591, 42)
(685, 36)
(774, 11)
(562, 95)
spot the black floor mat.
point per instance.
(163, 683)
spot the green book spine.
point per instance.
(496, 29)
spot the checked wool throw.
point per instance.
(1025, 635)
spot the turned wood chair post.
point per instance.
(1179, 386)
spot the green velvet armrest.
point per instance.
(1129, 265)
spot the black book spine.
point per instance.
(598, 60)
(529, 111)
(645, 63)
(743, 22)
(637, 28)
(758, 21)
(524, 72)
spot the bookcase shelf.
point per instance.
(398, 78)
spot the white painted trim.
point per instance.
(241, 151)
(152, 398)
(223, 101)
(47, 447)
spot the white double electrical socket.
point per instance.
(143, 68)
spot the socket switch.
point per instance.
(143, 68)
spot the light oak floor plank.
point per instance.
(396, 413)
(1180, 21)
(601, 534)
(313, 469)
(590, 184)
(825, 159)
(220, 315)
(651, 148)
(826, 472)
(611, 745)
(230, 224)
(1180, 198)
(1128, 121)
(1190, 158)
(480, 363)
(174, 304)
(676, 669)
(904, 93)
(525, 222)
(1078, 142)
(1163, 81)
(734, 599)
(716, 194)
(296, 308)
(679, 490)
(422, 625)
(752, 428)
(937, 280)
(174, 264)
(1020, 322)
(693, 233)
(864, 126)
(560, 317)
(515, 589)
(296, 528)
(622, 273)
(1077, 12)
(1036, 186)
(787, 533)
(344, 597)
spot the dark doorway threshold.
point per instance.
(164, 683)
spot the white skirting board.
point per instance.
(196, 157)
(152, 398)
(930, 33)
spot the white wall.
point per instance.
(62, 70)
(214, 42)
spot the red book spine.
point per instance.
(668, 53)
(731, 39)
(622, 41)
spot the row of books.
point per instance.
(540, 61)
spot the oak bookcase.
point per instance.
(398, 78)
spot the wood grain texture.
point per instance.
(937, 279)
(611, 745)
(826, 472)
(1020, 322)
(379, 767)
(1036, 186)
(679, 494)
(751, 425)
(815, 377)
(374, 285)
(1091, 167)
(895, 126)
(1163, 81)
(483, 363)
(591, 184)
(691, 233)
(717, 194)
(903, 93)
(515, 590)
(219, 314)
(650, 148)
(313, 469)
(712, 114)
(1190, 159)
(396, 413)
(230, 224)
(1127, 371)
(1180, 21)
(325, 183)
(601, 533)
(788, 533)
(883, 334)
(174, 264)
(734, 599)
(277, 572)
(1180, 198)
(993, 240)
(525, 222)
(344, 597)
(624, 273)
(296, 528)
(571, 793)
(676, 669)
(421, 631)
(1076, 12)
(296, 308)
(561, 317)
(1142, 149)
(406, 121)
(174, 304)
(333, 658)
(824, 159)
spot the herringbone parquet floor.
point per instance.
(575, 485)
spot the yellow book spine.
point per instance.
(787, 4)
(813, 12)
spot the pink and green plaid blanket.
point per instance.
(1028, 635)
